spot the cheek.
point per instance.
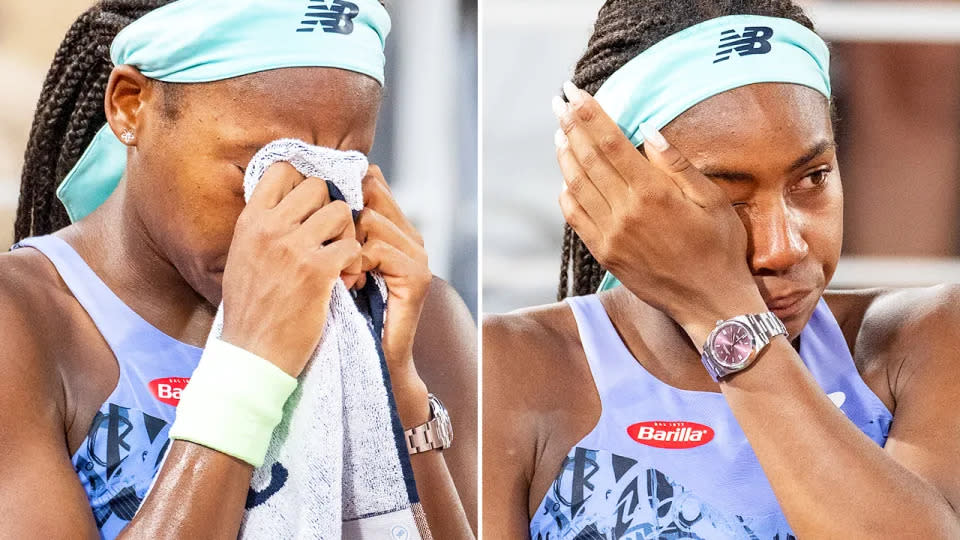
(832, 229)
(823, 227)
(196, 213)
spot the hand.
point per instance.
(664, 229)
(393, 247)
(290, 245)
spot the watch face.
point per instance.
(732, 344)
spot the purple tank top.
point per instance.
(666, 463)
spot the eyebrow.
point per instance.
(740, 176)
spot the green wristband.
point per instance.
(233, 402)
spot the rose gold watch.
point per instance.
(436, 433)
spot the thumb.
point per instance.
(669, 160)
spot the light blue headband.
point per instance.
(704, 60)
(195, 41)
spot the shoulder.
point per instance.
(907, 332)
(531, 338)
(29, 302)
(447, 331)
(527, 356)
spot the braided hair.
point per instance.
(70, 111)
(624, 29)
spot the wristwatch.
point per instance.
(437, 433)
(735, 343)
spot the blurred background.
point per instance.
(426, 138)
(896, 81)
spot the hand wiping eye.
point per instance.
(654, 221)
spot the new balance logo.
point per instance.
(333, 17)
(754, 40)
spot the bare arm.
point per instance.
(445, 350)
(40, 496)
(393, 246)
(509, 442)
(199, 493)
(807, 444)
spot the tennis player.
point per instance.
(715, 389)
(104, 318)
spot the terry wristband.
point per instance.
(233, 402)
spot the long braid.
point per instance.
(70, 111)
(624, 29)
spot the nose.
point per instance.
(775, 239)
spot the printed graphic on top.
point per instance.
(670, 435)
(599, 495)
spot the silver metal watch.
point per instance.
(437, 433)
(735, 343)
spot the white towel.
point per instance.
(336, 467)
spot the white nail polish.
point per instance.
(653, 136)
(560, 139)
(559, 107)
(572, 92)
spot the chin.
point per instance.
(214, 291)
(795, 322)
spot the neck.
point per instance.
(656, 341)
(115, 242)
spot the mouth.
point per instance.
(788, 305)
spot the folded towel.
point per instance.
(337, 466)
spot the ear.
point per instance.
(127, 96)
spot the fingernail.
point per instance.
(652, 135)
(560, 139)
(574, 95)
(559, 107)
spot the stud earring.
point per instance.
(127, 136)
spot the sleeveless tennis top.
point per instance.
(118, 460)
(666, 463)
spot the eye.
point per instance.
(814, 180)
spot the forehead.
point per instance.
(315, 104)
(752, 124)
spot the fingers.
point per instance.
(377, 196)
(666, 157)
(607, 136)
(594, 138)
(343, 254)
(279, 180)
(371, 225)
(327, 226)
(330, 223)
(305, 199)
(577, 217)
(393, 263)
(578, 182)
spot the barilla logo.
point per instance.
(753, 40)
(168, 390)
(336, 16)
(673, 435)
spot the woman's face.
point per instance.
(193, 144)
(771, 148)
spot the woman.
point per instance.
(721, 392)
(138, 280)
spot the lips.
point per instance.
(788, 305)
